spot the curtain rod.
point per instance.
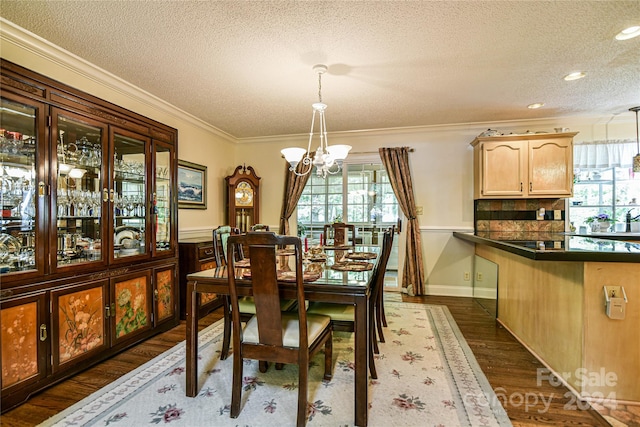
(411, 150)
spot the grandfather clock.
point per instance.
(243, 198)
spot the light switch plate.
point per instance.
(557, 214)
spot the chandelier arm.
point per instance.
(313, 120)
(306, 161)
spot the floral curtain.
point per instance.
(293, 186)
(396, 162)
(604, 154)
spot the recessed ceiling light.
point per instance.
(536, 105)
(575, 76)
(628, 33)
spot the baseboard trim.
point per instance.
(449, 290)
(487, 293)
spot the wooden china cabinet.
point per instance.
(243, 198)
(88, 231)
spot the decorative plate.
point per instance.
(243, 263)
(285, 252)
(290, 276)
(126, 232)
(352, 266)
(361, 255)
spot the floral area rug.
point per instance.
(427, 376)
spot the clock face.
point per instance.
(244, 194)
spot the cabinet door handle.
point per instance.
(43, 332)
(520, 186)
(155, 295)
(41, 189)
(110, 310)
(530, 186)
(105, 195)
(208, 252)
(111, 193)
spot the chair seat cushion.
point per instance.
(316, 324)
(339, 312)
(247, 305)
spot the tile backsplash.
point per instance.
(519, 216)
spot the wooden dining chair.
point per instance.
(342, 233)
(247, 309)
(220, 237)
(343, 315)
(381, 319)
(272, 335)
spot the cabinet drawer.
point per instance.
(205, 252)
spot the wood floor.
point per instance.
(509, 367)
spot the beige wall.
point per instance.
(441, 163)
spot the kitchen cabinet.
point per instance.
(88, 228)
(523, 166)
(197, 254)
(243, 198)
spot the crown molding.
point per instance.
(39, 47)
(472, 128)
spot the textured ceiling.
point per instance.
(245, 67)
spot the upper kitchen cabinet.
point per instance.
(88, 229)
(523, 166)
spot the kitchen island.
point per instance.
(551, 298)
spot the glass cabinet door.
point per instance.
(161, 206)
(80, 195)
(22, 188)
(128, 194)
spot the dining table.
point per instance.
(344, 279)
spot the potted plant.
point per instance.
(600, 222)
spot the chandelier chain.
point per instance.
(320, 87)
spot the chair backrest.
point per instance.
(340, 230)
(220, 237)
(264, 278)
(260, 227)
(378, 274)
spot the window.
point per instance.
(320, 203)
(604, 183)
(360, 195)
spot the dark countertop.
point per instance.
(557, 246)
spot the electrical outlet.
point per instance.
(479, 276)
(557, 214)
(467, 276)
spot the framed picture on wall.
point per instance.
(192, 185)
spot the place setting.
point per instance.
(352, 266)
(290, 276)
(361, 255)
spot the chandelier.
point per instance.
(327, 158)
